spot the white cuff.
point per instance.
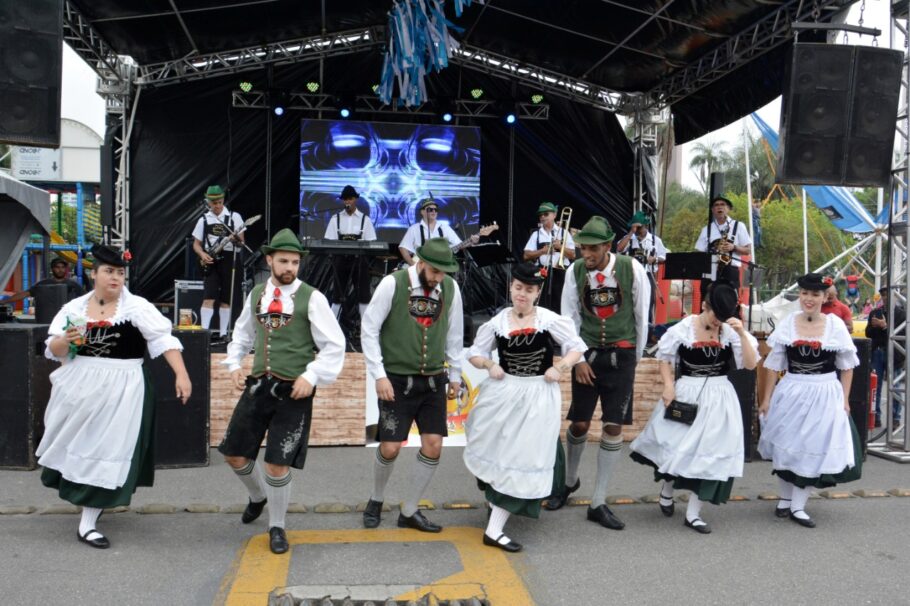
(163, 344)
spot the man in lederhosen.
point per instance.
(287, 321)
(428, 227)
(607, 296)
(211, 228)
(350, 224)
(544, 248)
(412, 328)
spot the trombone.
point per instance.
(563, 223)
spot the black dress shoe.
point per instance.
(372, 514)
(667, 510)
(558, 500)
(510, 546)
(699, 528)
(253, 510)
(99, 542)
(807, 522)
(603, 516)
(418, 522)
(278, 540)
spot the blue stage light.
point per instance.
(279, 111)
(510, 118)
(447, 117)
(345, 112)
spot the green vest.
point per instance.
(597, 332)
(284, 352)
(409, 348)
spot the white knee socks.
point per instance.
(498, 517)
(205, 316)
(693, 510)
(785, 489)
(798, 503)
(251, 477)
(88, 521)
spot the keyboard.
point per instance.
(372, 248)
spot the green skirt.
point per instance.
(714, 491)
(529, 508)
(142, 467)
(828, 480)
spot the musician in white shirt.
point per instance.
(211, 228)
(427, 228)
(350, 224)
(728, 237)
(646, 248)
(544, 248)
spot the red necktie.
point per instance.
(600, 278)
(275, 306)
(425, 321)
(602, 312)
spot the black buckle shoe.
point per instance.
(418, 522)
(372, 514)
(667, 510)
(558, 500)
(511, 546)
(782, 512)
(100, 542)
(603, 516)
(253, 510)
(699, 528)
(278, 540)
(807, 522)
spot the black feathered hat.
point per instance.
(813, 281)
(105, 255)
(528, 273)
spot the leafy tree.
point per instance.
(759, 165)
(707, 158)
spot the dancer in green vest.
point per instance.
(286, 321)
(412, 336)
(607, 296)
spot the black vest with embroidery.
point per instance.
(525, 355)
(121, 341)
(705, 361)
(805, 359)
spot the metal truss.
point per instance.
(198, 67)
(574, 89)
(365, 104)
(646, 126)
(896, 444)
(757, 39)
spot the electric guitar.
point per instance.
(215, 251)
(482, 232)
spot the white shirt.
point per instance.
(324, 327)
(350, 224)
(378, 310)
(652, 245)
(542, 237)
(641, 298)
(211, 218)
(741, 239)
(411, 240)
(560, 328)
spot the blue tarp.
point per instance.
(837, 203)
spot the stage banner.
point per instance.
(457, 409)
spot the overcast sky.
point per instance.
(81, 103)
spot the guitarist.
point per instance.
(212, 228)
(427, 228)
(350, 224)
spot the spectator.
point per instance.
(867, 307)
(852, 294)
(877, 331)
(833, 306)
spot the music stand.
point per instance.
(686, 266)
(485, 254)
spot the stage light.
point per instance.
(375, 88)
(279, 111)
(477, 93)
(536, 98)
(346, 103)
(246, 86)
(278, 101)
(447, 117)
(312, 86)
(511, 118)
(345, 112)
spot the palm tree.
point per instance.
(707, 158)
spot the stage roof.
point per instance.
(623, 46)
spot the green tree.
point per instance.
(707, 158)
(761, 169)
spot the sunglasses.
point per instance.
(432, 210)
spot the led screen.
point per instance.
(393, 167)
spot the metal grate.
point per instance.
(286, 599)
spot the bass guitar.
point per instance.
(215, 252)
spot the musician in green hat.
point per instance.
(298, 346)
(646, 248)
(412, 337)
(544, 248)
(607, 296)
(218, 226)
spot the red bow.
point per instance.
(700, 344)
(542, 272)
(522, 331)
(600, 278)
(827, 281)
(101, 324)
(127, 256)
(275, 306)
(804, 342)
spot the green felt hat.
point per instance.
(546, 207)
(214, 192)
(596, 231)
(438, 253)
(639, 217)
(428, 202)
(285, 241)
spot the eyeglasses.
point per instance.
(432, 210)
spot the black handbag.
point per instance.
(684, 412)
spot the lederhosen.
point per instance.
(350, 268)
(613, 360)
(729, 272)
(551, 290)
(265, 408)
(217, 282)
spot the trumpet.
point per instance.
(564, 223)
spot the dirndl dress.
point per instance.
(99, 421)
(512, 431)
(807, 434)
(707, 455)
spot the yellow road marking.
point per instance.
(484, 569)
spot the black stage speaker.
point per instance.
(744, 384)
(182, 431)
(31, 52)
(840, 107)
(26, 390)
(717, 185)
(49, 298)
(859, 390)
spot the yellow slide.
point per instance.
(68, 255)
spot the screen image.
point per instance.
(393, 167)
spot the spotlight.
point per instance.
(445, 108)
(510, 118)
(447, 117)
(278, 101)
(345, 112)
(345, 104)
(312, 86)
(508, 111)
(375, 88)
(536, 98)
(246, 86)
(477, 93)
(279, 111)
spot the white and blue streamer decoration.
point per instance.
(419, 43)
